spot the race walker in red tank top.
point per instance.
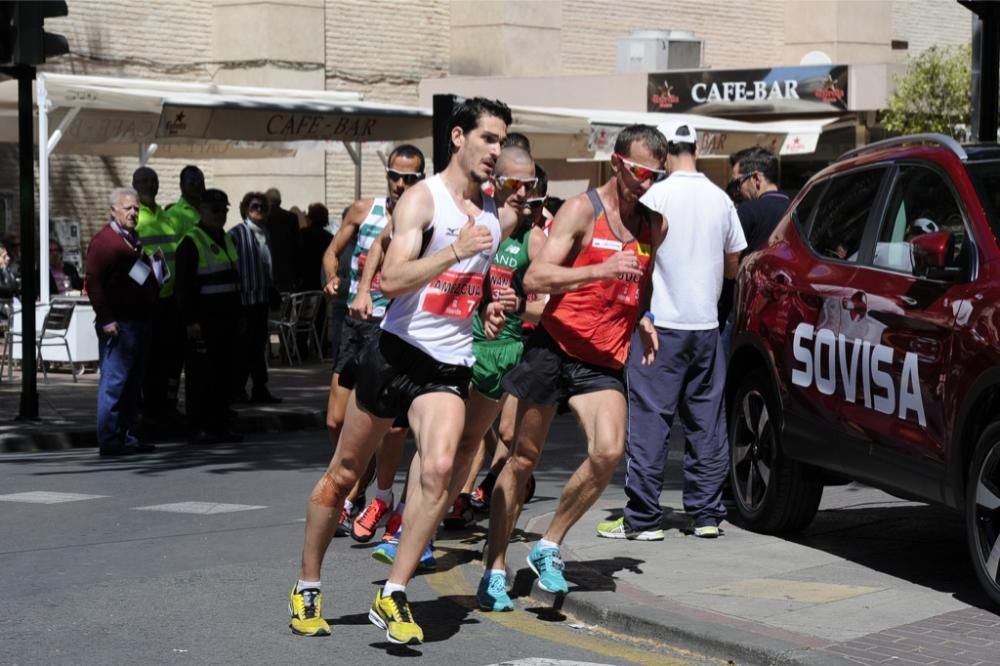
(594, 323)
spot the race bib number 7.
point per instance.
(453, 294)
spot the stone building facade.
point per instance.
(384, 50)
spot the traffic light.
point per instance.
(7, 32)
(23, 40)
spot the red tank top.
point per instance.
(594, 324)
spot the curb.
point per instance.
(630, 610)
(48, 437)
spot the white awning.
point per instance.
(116, 117)
(589, 134)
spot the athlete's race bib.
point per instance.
(624, 289)
(501, 278)
(453, 294)
(377, 280)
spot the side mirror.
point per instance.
(931, 253)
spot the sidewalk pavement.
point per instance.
(873, 580)
(67, 409)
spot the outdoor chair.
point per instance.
(307, 306)
(55, 328)
(282, 325)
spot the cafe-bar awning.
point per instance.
(108, 116)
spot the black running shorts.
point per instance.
(393, 373)
(547, 375)
(354, 335)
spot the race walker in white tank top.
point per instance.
(437, 318)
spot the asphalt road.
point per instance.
(186, 556)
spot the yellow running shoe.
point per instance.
(306, 608)
(393, 614)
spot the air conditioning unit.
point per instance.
(659, 51)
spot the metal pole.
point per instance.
(28, 408)
(976, 72)
(989, 75)
(357, 172)
(442, 107)
(43, 188)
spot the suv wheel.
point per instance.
(982, 511)
(772, 493)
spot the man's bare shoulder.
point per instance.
(358, 211)
(416, 206)
(575, 215)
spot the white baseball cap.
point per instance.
(924, 225)
(679, 133)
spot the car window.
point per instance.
(921, 202)
(804, 208)
(841, 215)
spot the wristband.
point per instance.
(651, 317)
(455, 252)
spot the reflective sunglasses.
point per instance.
(408, 177)
(535, 204)
(514, 184)
(641, 173)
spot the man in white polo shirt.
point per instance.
(676, 360)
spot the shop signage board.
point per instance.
(799, 89)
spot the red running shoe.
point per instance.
(461, 515)
(392, 526)
(367, 521)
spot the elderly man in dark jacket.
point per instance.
(123, 285)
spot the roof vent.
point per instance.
(659, 51)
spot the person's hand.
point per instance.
(111, 329)
(493, 320)
(193, 331)
(472, 239)
(506, 298)
(331, 287)
(622, 263)
(650, 340)
(361, 306)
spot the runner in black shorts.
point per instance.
(367, 219)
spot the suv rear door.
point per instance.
(900, 326)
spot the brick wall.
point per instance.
(374, 48)
(924, 23)
(744, 36)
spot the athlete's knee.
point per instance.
(523, 460)
(333, 487)
(436, 470)
(606, 455)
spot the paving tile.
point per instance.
(46, 497)
(203, 508)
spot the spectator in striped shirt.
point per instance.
(256, 292)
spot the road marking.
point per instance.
(451, 583)
(542, 661)
(790, 590)
(203, 508)
(45, 497)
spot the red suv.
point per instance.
(867, 342)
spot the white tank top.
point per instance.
(437, 318)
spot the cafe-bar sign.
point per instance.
(803, 89)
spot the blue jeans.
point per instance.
(123, 363)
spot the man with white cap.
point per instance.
(676, 361)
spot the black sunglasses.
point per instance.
(535, 204)
(256, 205)
(408, 177)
